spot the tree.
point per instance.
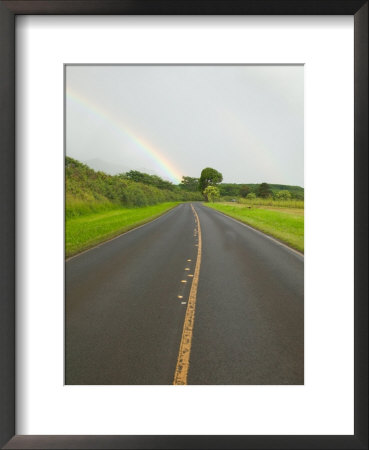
(190, 184)
(264, 190)
(283, 195)
(152, 180)
(209, 177)
(137, 176)
(244, 191)
(251, 196)
(228, 189)
(211, 193)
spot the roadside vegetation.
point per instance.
(270, 201)
(210, 182)
(88, 191)
(85, 231)
(277, 210)
(228, 191)
(100, 206)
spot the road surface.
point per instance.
(193, 297)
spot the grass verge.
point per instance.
(285, 224)
(81, 207)
(89, 230)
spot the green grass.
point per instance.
(75, 207)
(271, 202)
(88, 230)
(285, 224)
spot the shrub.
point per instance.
(211, 193)
(283, 195)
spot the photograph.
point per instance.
(184, 224)
(156, 161)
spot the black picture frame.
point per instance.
(8, 12)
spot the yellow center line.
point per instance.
(183, 361)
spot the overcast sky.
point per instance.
(245, 121)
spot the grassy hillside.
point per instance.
(99, 206)
(88, 191)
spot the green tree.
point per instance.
(264, 190)
(244, 191)
(228, 189)
(283, 195)
(211, 193)
(152, 180)
(209, 177)
(190, 184)
(137, 176)
(251, 196)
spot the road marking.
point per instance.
(183, 361)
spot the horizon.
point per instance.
(223, 182)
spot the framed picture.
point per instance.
(238, 92)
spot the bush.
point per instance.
(211, 193)
(283, 195)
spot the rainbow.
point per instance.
(155, 155)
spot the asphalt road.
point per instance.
(127, 302)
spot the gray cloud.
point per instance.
(245, 121)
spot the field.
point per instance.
(284, 223)
(299, 204)
(85, 231)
